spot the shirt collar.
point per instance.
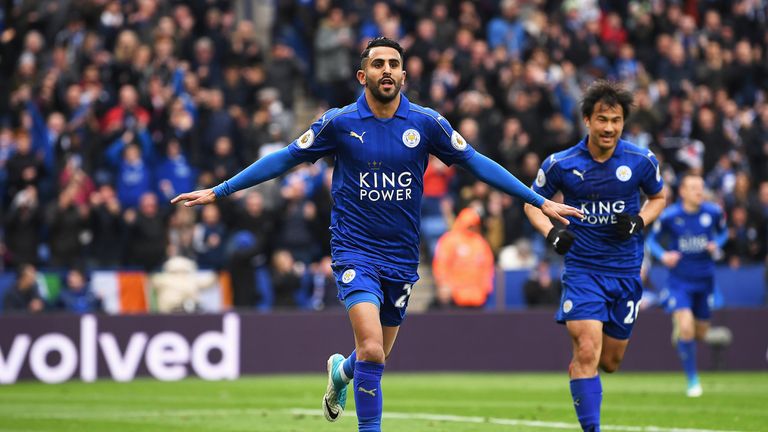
(365, 111)
(582, 145)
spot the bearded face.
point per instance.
(383, 74)
(385, 89)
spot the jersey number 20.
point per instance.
(634, 310)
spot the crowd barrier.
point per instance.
(129, 291)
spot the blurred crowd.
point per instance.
(109, 108)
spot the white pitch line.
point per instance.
(511, 422)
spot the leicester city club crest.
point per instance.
(348, 276)
(567, 306)
(705, 220)
(623, 173)
(411, 138)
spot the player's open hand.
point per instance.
(198, 197)
(559, 211)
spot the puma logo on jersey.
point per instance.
(578, 174)
(371, 392)
(354, 134)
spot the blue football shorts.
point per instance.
(696, 295)
(389, 289)
(613, 300)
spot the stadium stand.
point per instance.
(109, 108)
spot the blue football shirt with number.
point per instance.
(601, 190)
(378, 177)
(691, 282)
(601, 280)
(689, 234)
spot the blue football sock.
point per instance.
(686, 349)
(349, 366)
(368, 398)
(587, 396)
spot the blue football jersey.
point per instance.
(600, 191)
(378, 176)
(689, 234)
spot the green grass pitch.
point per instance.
(413, 402)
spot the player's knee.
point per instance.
(370, 351)
(610, 363)
(686, 332)
(586, 353)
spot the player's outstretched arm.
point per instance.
(198, 197)
(495, 175)
(669, 258)
(722, 232)
(558, 211)
(264, 169)
(653, 243)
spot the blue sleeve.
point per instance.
(266, 168)
(651, 181)
(547, 181)
(495, 33)
(114, 151)
(40, 134)
(721, 229)
(147, 148)
(318, 141)
(177, 81)
(495, 175)
(653, 239)
(447, 144)
(721, 239)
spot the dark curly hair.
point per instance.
(380, 41)
(610, 93)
